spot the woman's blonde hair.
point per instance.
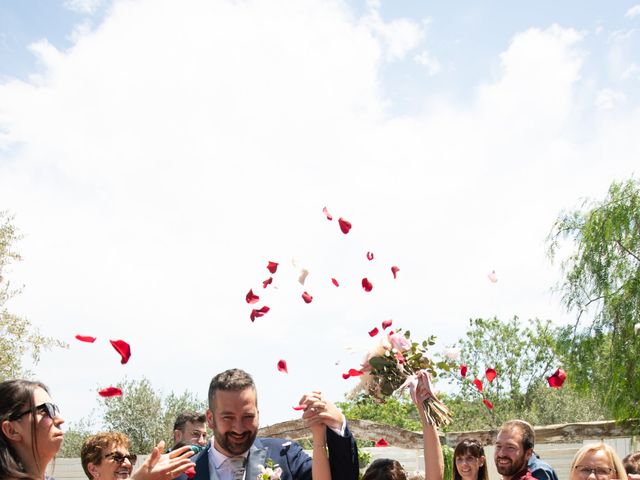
(614, 459)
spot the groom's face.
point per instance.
(233, 417)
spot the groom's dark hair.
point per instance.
(233, 380)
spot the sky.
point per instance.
(156, 155)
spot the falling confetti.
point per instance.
(557, 379)
(252, 297)
(282, 366)
(86, 338)
(394, 270)
(110, 392)
(123, 349)
(345, 226)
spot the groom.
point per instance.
(236, 454)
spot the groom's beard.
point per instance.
(235, 443)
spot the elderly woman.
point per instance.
(597, 461)
(30, 434)
(105, 456)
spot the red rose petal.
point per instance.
(298, 407)
(282, 366)
(386, 324)
(272, 267)
(400, 358)
(123, 349)
(252, 297)
(369, 256)
(478, 384)
(335, 282)
(557, 379)
(366, 284)
(345, 226)
(491, 374)
(327, 214)
(267, 282)
(306, 297)
(463, 370)
(488, 404)
(352, 373)
(191, 472)
(86, 338)
(373, 332)
(110, 392)
(394, 270)
(257, 313)
(382, 443)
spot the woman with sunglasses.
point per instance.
(105, 456)
(597, 461)
(30, 434)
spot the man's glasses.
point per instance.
(120, 458)
(601, 473)
(51, 410)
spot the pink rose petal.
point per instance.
(282, 366)
(492, 276)
(327, 214)
(299, 407)
(345, 225)
(123, 349)
(366, 284)
(252, 297)
(307, 298)
(557, 379)
(272, 267)
(110, 392)
(86, 338)
(394, 270)
(257, 313)
(478, 384)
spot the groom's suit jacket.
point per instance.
(295, 463)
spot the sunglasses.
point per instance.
(51, 410)
(120, 458)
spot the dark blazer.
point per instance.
(294, 462)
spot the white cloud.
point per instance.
(83, 6)
(157, 165)
(632, 71)
(429, 61)
(608, 99)
(633, 11)
(398, 37)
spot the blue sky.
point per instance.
(157, 154)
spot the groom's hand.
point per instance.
(320, 411)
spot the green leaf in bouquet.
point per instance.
(407, 334)
(379, 363)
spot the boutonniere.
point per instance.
(269, 471)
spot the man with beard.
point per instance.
(514, 446)
(235, 453)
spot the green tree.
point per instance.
(400, 412)
(74, 436)
(523, 354)
(18, 337)
(144, 415)
(601, 281)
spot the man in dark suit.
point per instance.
(236, 454)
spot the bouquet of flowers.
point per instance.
(394, 364)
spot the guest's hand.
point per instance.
(163, 467)
(421, 390)
(319, 410)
